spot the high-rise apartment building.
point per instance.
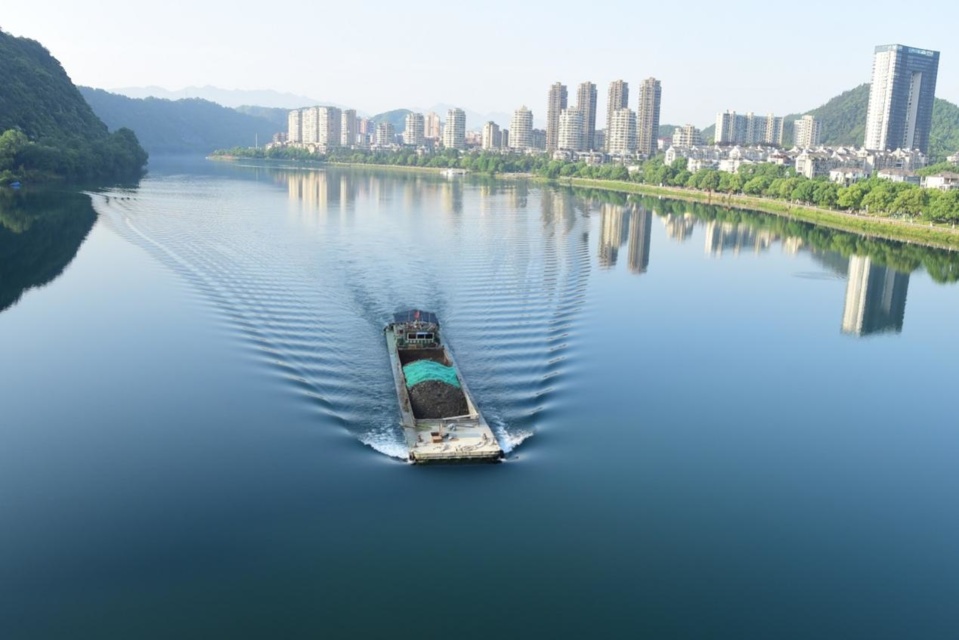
(432, 126)
(570, 134)
(454, 137)
(617, 99)
(901, 96)
(413, 135)
(348, 128)
(558, 97)
(621, 134)
(647, 123)
(806, 132)
(321, 126)
(521, 130)
(687, 136)
(385, 134)
(492, 137)
(734, 128)
(294, 129)
(586, 103)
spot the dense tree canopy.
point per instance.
(47, 130)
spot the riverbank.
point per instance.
(940, 236)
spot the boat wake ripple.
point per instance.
(307, 267)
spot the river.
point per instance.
(719, 424)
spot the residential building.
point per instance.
(385, 134)
(321, 127)
(570, 134)
(294, 132)
(749, 129)
(845, 176)
(618, 98)
(647, 123)
(806, 132)
(538, 139)
(521, 130)
(454, 136)
(492, 136)
(586, 103)
(901, 97)
(348, 128)
(432, 126)
(621, 135)
(944, 181)
(504, 139)
(687, 136)
(414, 134)
(815, 164)
(558, 97)
(954, 159)
(898, 175)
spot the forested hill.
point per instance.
(46, 127)
(181, 126)
(844, 123)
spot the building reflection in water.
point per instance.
(728, 236)
(875, 298)
(611, 234)
(679, 227)
(640, 229)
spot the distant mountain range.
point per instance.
(164, 125)
(180, 126)
(226, 97)
(844, 123)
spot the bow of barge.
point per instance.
(431, 435)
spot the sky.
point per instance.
(496, 55)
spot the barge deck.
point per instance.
(413, 336)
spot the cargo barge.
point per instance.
(440, 421)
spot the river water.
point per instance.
(719, 424)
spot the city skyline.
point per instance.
(126, 53)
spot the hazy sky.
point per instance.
(496, 55)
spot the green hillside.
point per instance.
(397, 118)
(46, 127)
(181, 126)
(844, 123)
(278, 117)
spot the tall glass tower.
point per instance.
(901, 98)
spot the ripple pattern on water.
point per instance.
(307, 267)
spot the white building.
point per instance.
(385, 134)
(454, 136)
(414, 133)
(647, 117)
(521, 130)
(944, 181)
(687, 136)
(845, 176)
(432, 126)
(492, 136)
(570, 130)
(348, 129)
(807, 132)
(749, 129)
(621, 136)
(294, 133)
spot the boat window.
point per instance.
(424, 336)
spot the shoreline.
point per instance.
(928, 234)
(940, 237)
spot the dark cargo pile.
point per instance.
(434, 399)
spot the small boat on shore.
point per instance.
(439, 417)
